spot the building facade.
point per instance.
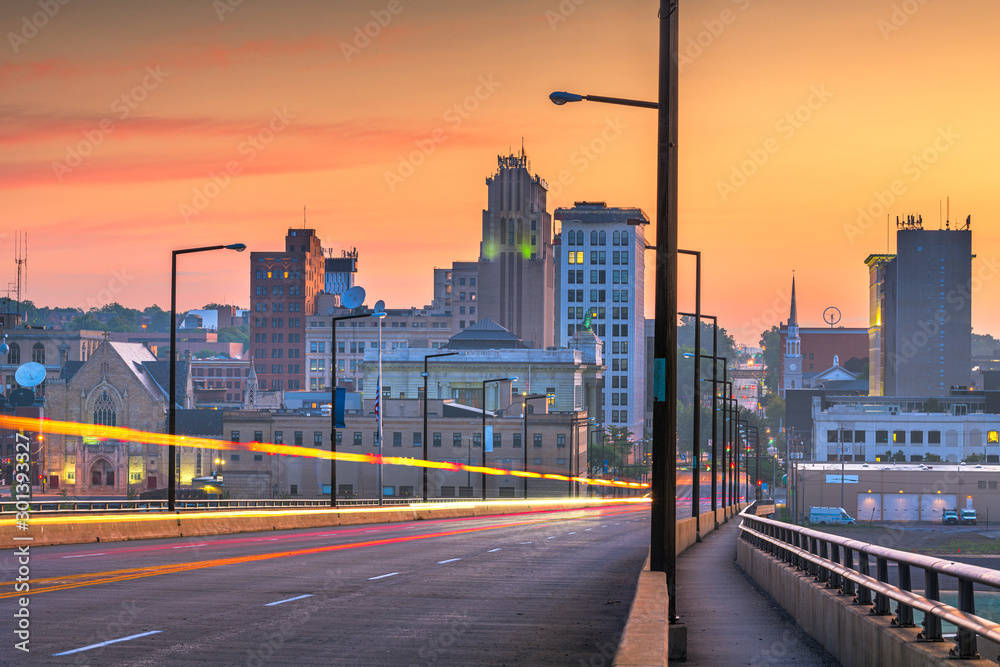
(283, 289)
(601, 267)
(920, 322)
(52, 348)
(516, 271)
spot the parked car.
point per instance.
(830, 515)
(968, 517)
(950, 517)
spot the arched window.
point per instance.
(625, 237)
(503, 229)
(38, 353)
(14, 356)
(616, 238)
(604, 238)
(593, 237)
(104, 411)
(571, 237)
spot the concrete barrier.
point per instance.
(846, 630)
(81, 529)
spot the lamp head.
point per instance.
(238, 247)
(560, 98)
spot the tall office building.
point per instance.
(516, 270)
(283, 288)
(601, 266)
(340, 271)
(920, 322)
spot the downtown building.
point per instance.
(516, 270)
(283, 289)
(920, 312)
(600, 260)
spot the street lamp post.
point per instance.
(486, 382)
(425, 375)
(696, 425)
(171, 409)
(333, 402)
(663, 511)
(524, 415)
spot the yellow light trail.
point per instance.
(32, 424)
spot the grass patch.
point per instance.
(973, 545)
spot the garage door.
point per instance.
(869, 507)
(901, 507)
(932, 505)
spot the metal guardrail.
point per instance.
(116, 506)
(845, 564)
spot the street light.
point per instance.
(171, 412)
(486, 382)
(524, 415)
(425, 375)
(333, 402)
(663, 510)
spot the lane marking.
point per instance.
(191, 546)
(450, 560)
(586, 529)
(110, 641)
(383, 576)
(551, 538)
(527, 542)
(572, 533)
(103, 553)
(299, 597)
(492, 550)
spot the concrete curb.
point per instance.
(55, 529)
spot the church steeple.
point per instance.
(792, 317)
(792, 361)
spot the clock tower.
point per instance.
(792, 360)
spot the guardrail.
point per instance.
(110, 506)
(846, 564)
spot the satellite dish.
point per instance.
(380, 306)
(353, 297)
(4, 348)
(22, 398)
(30, 374)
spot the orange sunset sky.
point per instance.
(795, 116)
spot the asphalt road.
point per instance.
(550, 588)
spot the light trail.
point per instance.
(114, 576)
(35, 425)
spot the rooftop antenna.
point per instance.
(21, 259)
(948, 210)
(939, 213)
(303, 216)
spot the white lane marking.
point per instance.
(110, 641)
(588, 529)
(617, 524)
(383, 576)
(450, 560)
(492, 550)
(527, 542)
(371, 531)
(103, 553)
(572, 533)
(299, 597)
(551, 538)
(273, 539)
(604, 526)
(190, 546)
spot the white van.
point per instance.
(830, 515)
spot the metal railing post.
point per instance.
(965, 640)
(904, 612)
(881, 600)
(931, 623)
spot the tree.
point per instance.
(858, 366)
(932, 458)
(933, 405)
(975, 457)
(771, 342)
(203, 354)
(614, 444)
(88, 321)
(240, 334)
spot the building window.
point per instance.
(436, 441)
(417, 438)
(298, 438)
(38, 353)
(933, 437)
(496, 441)
(232, 457)
(258, 436)
(831, 436)
(917, 437)
(234, 436)
(104, 411)
(899, 437)
(881, 437)
(279, 438)
(317, 438)
(538, 439)
(560, 440)
(357, 438)
(537, 461)
(456, 439)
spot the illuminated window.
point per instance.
(579, 257)
(993, 437)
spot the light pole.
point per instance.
(425, 375)
(333, 402)
(171, 411)
(378, 315)
(524, 415)
(486, 382)
(663, 511)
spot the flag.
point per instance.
(378, 399)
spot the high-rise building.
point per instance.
(283, 288)
(601, 266)
(920, 322)
(340, 271)
(516, 271)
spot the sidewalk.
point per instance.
(729, 621)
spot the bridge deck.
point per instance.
(730, 622)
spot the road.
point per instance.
(532, 588)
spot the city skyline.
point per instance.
(801, 130)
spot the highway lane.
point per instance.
(539, 588)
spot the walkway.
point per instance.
(729, 620)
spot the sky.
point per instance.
(131, 128)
